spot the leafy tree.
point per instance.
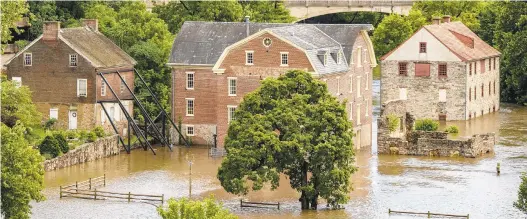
(357, 17)
(266, 11)
(50, 146)
(11, 12)
(392, 31)
(17, 105)
(189, 209)
(521, 204)
(22, 173)
(464, 11)
(292, 126)
(62, 143)
(514, 69)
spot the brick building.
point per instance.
(214, 64)
(60, 68)
(444, 71)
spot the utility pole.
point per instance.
(190, 162)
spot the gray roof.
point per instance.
(96, 47)
(202, 43)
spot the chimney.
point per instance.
(51, 30)
(436, 20)
(91, 23)
(246, 20)
(446, 19)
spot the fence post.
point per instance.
(162, 198)
(90, 183)
(129, 196)
(468, 216)
(389, 211)
(104, 179)
(60, 191)
(278, 205)
(76, 186)
(428, 214)
(241, 203)
(95, 196)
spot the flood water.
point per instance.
(403, 183)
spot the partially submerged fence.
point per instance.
(245, 204)
(429, 214)
(217, 152)
(91, 183)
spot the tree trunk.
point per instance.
(304, 199)
(314, 199)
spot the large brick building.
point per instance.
(216, 63)
(444, 71)
(60, 68)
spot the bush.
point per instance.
(50, 123)
(91, 137)
(83, 135)
(99, 131)
(393, 122)
(47, 156)
(63, 144)
(521, 203)
(426, 125)
(72, 134)
(452, 129)
(184, 208)
(50, 146)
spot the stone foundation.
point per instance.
(101, 148)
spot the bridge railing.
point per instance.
(349, 3)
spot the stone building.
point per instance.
(214, 64)
(444, 71)
(60, 68)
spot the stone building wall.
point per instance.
(481, 101)
(101, 148)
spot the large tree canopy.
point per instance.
(17, 105)
(11, 12)
(291, 125)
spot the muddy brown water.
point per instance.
(404, 183)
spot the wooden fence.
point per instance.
(428, 213)
(245, 204)
(90, 184)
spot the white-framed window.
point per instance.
(358, 86)
(351, 111)
(338, 86)
(442, 95)
(284, 59)
(122, 87)
(103, 116)
(28, 59)
(367, 80)
(351, 84)
(249, 57)
(366, 113)
(359, 56)
(103, 88)
(17, 81)
(232, 82)
(190, 130)
(190, 106)
(82, 87)
(230, 112)
(190, 80)
(326, 59)
(53, 113)
(358, 114)
(339, 57)
(403, 93)
(73, 60)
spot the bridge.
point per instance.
(304, 9)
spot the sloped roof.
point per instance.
(96, 47)
(345, 34)
(459, 45)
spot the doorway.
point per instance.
(73, 119)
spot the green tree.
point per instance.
(17, 105)
(11, 12)
(22, 173)
(514, 69)
(392, 31)
(292, 126)
(464, 11)
(266, 11)
(50, 146)
(521, 204)
(188, 209)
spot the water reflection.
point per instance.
(444, 185)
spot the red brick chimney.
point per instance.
(51, 30)
(91, 23)
(446, 19)
(436, 20)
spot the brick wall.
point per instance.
(115, 82)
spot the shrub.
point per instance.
(72, 134)
(426, 125)
(50, 123)
(47, 156)
(91, 137)
(50, 146)
(393, 122)
(83, 135)
(452, 129)
(63, 144)
(185, 208)
(521, 203)
(99, 131)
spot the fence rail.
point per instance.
(245, 204)
(428, 213)
(90, 183)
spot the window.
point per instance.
(489, 88)
(232, 86)
(359, 57)
(475, 93)
(190, 130)
(249, 59)
(494, 63)
(351, 84)
(422, 47)
(358, 86)
(190, 80)
(230, 113)
(490, 65)
(422, 69)
(326, 59)
(366, 107)
(339, 57)
(442, 71)
(82, 90)
(103, 88)
(494, 86)
(351, 111)
(103, 116)
(53, 113)
(403, 70)
(469, 94)
(442, 95)
(338, 86)
(474, 67)
(190, 106)
(28, 59)
(73, 60)
(284, 59)
(358, 114)
(482, 90)
(17, 81)
(470, 68)
(403, 93)
(122, 87)
(367, 81)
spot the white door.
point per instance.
(73, 119)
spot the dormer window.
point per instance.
(326, 59)
(339, 57)
(73, 60)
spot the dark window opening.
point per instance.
(442, 70)
(403, 70)
(422, 47)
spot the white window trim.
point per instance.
(359, 56)
(367, 87)
(366, 104)
(31, 58)
(193, 80)
(351, 84)
(281, 58)
(247, 58)
(17, 80)
(193, 106)
(338, 85)
(78, 87)
(351, 111)
(76, 60)
(358, 114)
(439, 94)
(54, 109)
(339, 57)
(103, 88)
(229, 107)
(193, 130)
(122, 86)
(405, 93)
(358, 86)
(229, 79)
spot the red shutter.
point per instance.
(422, 69)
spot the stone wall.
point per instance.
(406, 141)
(101, 148)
